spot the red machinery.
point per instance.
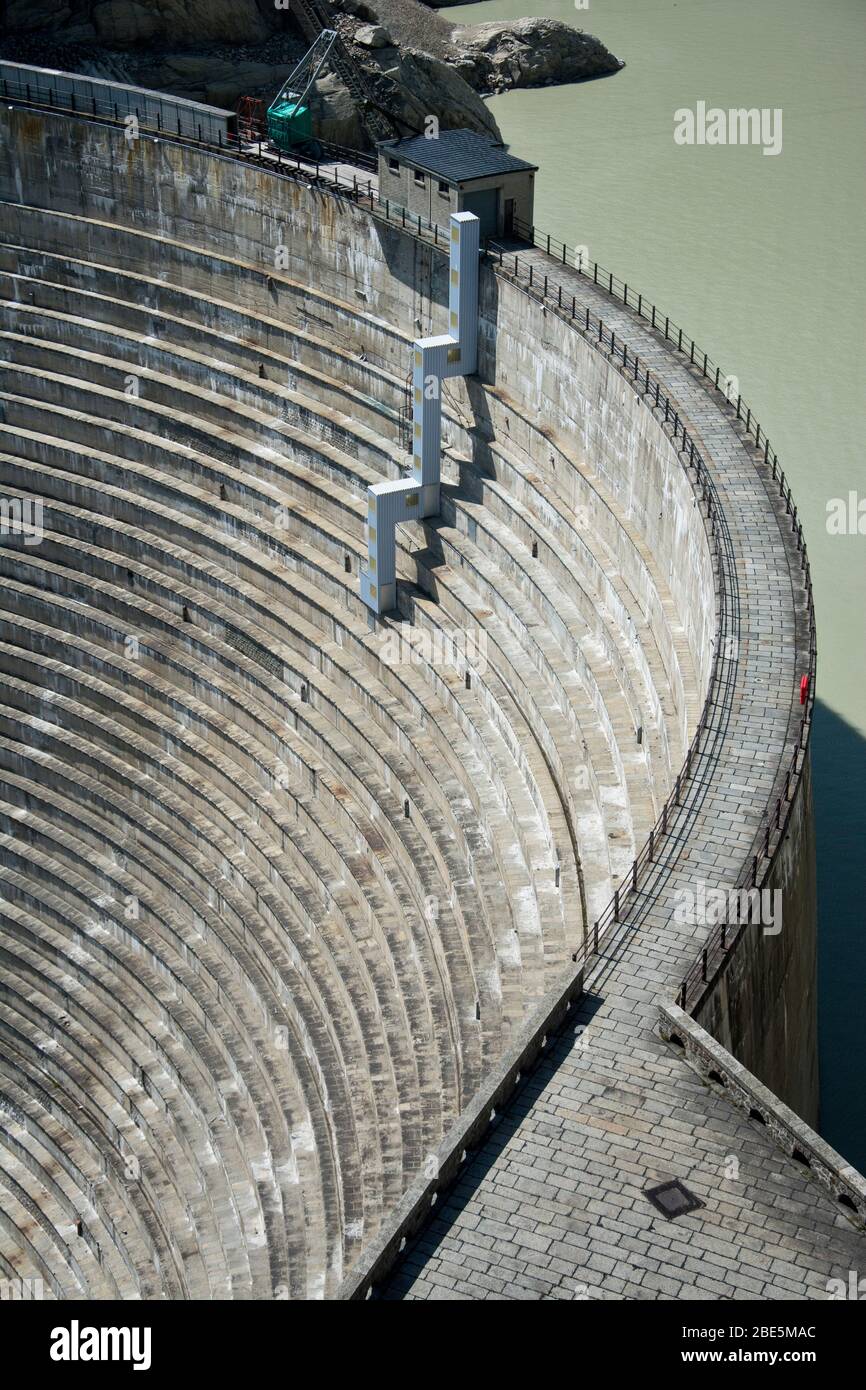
(251, 118)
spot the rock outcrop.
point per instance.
(529, 53)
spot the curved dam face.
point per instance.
(283, 882)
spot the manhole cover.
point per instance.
(672, 1199)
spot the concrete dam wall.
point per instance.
(284, 883)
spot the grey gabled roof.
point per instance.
(456, 155)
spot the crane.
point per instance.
(288, 121)
(312, 17)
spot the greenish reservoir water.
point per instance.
(763, 260)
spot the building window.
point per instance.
(419, 178)
(393, 166)
(444, 189)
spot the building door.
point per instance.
(485, 205)
(508, 228)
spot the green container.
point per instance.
(289, 124)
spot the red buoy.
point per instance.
(804, 689)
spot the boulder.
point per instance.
(502, 54)
(373, 36)
(335, 117)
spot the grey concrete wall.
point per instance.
(763, 1007)
(592, 442)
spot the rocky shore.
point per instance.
(417, 62)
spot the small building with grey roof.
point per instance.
(458, 171)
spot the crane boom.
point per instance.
(289, 120)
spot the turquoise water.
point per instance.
(761, 259)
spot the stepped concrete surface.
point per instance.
(284, 884)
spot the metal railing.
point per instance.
(626, 294)
(725, 935)
(406, 413)
(542, 286)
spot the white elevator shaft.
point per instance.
(433, 359)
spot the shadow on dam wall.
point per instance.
(839, 777)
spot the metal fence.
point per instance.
(542, 285)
